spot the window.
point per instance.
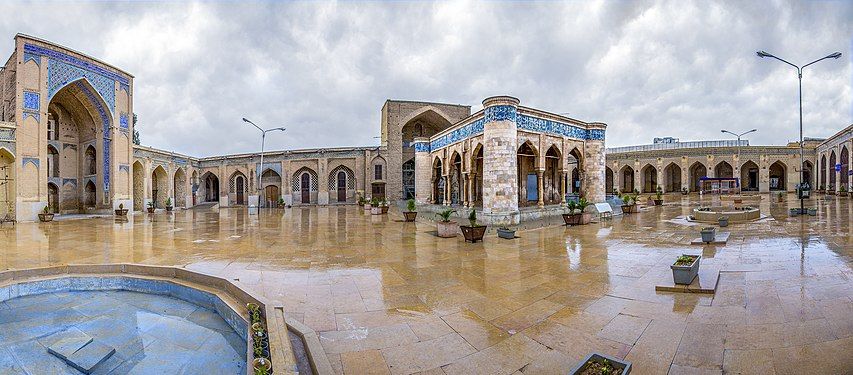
(377, 172)
(52, 131)
(52, 162)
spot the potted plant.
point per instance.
(383, 206)
(658, 197)
(261, 365)
(280, 202)
(473, 232)
(169, 204)
(151, 207)
(684, 191)
(708, 234)
(821, 189)
(685, 269)
(577, 214)
(600, 364)
(445, 227)
(46, 215)
(723, 221)
(375, 208)
(121, 211)
(629, 204)
(410, 212)
(842, 191)
(812, 211)
(506, 233)
(831, 189)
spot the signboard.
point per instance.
(838, 167)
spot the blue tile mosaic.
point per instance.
(458, 135)
(70, 181)
(60, 74)
(422, 146)
(59, 56)
(35, 115)
(540, 125)
(29, 56)
(122, 121)
(105, 120)
(500, 113)
(32, 101)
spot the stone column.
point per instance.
(593, 176)
(563, 174)
(472, 181)
(447, 189)
(540, 188)
(500, 140)
(423, 171)
(837, 173)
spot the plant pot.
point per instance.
(376, 210)
(812, 211)
(446, 229)
(723, 222)
(629, 209)
(384, 209)
(257, 327)
(684, 275)
(410, 216)
(367, 207)
(150, 210)
(793, 212)
(658, 202)
(44, 218)
(577, 218)
(473, 233)
(121, 212)
(708, 235)
(622, 367)
(507, 234)
(169, 208)
(261, 364)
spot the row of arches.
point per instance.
(827, 172)
(541, 181)
(672, 177)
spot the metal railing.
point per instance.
(678, 145)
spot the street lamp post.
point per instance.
(740, 185)
(263, 140)
(835, 55)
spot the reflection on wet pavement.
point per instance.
(389, 297)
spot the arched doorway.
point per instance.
(437, 182)
(409, 179)
(672, 178)
(822, 173)
(627, 179)
(456, 179)
(649, 178)
(194, 185)
(697, 171)
(211, 187)
(528, 181)
(180, 188)
(608, 180)
(777, 176)
(845, 166)
(7, 184)
(552, 178)
(723, 170)
(831, 171)
(749, 176)
(304, 186)
(808, 169)
(89, 197)
(342, 184)
(53, 197)
(271, 182)
(477, 163)
(424, 122)
(52, 162)
(159, 186)
(575, 159)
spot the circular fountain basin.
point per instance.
(118, 325)
(735, 214)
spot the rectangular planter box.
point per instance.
(623, 367)
(685, 274)
(473, 234)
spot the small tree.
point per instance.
(135, 131)
(410, 205)
(445, 215)
(472, 218)
(169, 202)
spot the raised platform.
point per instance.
(719, 239)
(705, 283)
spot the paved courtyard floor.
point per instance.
(389, 297)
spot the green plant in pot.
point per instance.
(46, 215)
(505, 231)
(280, 202)
(684, 191)
(261, 365)
(474, 232)
(151, 206)
(658, 196)
(410, 214)
(445, 227)
(685, 269)
(708, 234)
(169, 204)
(375, 207)
(121, 211)
(577, 214)
(629, 204)
(383, 206)
(723, 221)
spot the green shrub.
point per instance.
(410, 205)
(445, 215)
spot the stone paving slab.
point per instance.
(90, 356)
(67, 342)
(720, 239)
(705, 282)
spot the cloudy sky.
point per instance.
(324, 69)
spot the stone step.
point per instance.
(65, 343)
(78, 349)
(90, 356)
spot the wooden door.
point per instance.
(240, 190)
(271, 193)
(342, 186)
(305, 187)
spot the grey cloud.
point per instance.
(324, 69)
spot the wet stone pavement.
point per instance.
(388, 297)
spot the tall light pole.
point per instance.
(740, 185)
(263, 139)
(835, 55)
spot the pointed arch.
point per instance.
(304, 186)
(723, 170)
(528, 179)
(672, 178)
(438, 183)
(749, 176)
(159, 186)
(649, 178)
(844, 160)
(138, 186)
(627, 175)
(778, 176)
(822, 172)
(609, 181)
(209, 187)
(342, 184)
(477, 170)
(179, 188)
(831, 171)
(552, 178)
(697, 171)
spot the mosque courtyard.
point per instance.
(386, 296)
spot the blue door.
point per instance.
(532, 187)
